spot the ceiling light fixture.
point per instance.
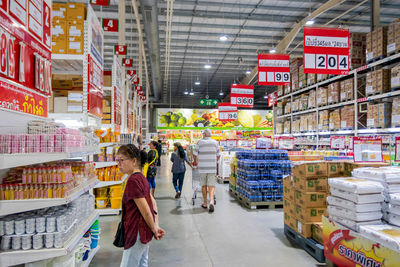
(191, 92)
(221, 93)
(310, 22)
(186, 92)
(197, 82)
(223, 38)
(248, 72)
(273, 50)
(207, 66)
(266, 96)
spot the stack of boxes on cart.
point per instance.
(260, 173)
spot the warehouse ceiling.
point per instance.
(251, 27)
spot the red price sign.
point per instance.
(285, 142)
(95, 88)
(127, 62)
(242, 95)
(273, 69)
(272, 99)
(227, 112)
(367, 149)
(326, 50)
(110, 25)
(131, 72)
(338, 142)
(120, 49)
(100, 2)
(135, 80)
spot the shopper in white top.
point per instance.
(206, 156)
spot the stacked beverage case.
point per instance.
(260, 174)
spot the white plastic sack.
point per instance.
(353, 225)
(392, 208)
(394, 198)
(383, 174)
(336, 201)
(354, 216)
(356, 198)
(392, 218)
(356, 185)
(387, 235)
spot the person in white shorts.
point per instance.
(206, 156)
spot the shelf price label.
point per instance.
(110, 25)
(127, 62)
(242, 95)
(338, 142)
(273, 69)
(367, 149)
(264, 142)
(120, 50)
(326, 50)
(227, 112)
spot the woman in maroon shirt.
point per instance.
(138, 208)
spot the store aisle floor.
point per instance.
(231, 236)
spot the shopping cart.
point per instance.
(196, 185)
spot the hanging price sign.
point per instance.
(285, 142)
(367, 149)
(272, 99)
(273, 69)
(100, 2)
(120, 49)
(326, 50)
(242, 95)
(397, 148)
(110, 25)
(338, 142)
(263, 143)
(131, 72)
(135, 80)
(127, 62)
(227, 112)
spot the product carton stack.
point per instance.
(311, 99)
(322, 96)
(304, 102)
(287, 89)
(357, 49)
(347, 117)
(68, 28)
(296, 126)
(354, 202)
(389, 178)
(311, 78)
(106, 119)
(304, 123)
(279, 127)
(279, 91)
(287, 108)
(395, 78)
(295, 104)
(302, 77)
(393, 37)
(310, 188)
(312, 122)
(333, 92)
(334, 120)
(321, 77)
(376, 44)
(294, 72)
(289, 202)
(396, 111)
(287, 127)
(323, 121)
(379, 115)
(347, 89)
(279, 108)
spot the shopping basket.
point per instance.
(196, 185)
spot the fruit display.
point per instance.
(199, 118)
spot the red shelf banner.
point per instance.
(127, 62)
(120, 50)
(242, 95)
(227, 112)
(95, 85)
(326, 50)
(273, 69)
(367, 149)
(110, 25)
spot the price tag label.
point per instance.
(326, 50)
(242, 95)
(127, 62)
(231, 143)
(367, 149)
(338, 142)
(263, 143)
(285, 142)
(273, 69)
(120, 49)
(227, 112)
(110, 25)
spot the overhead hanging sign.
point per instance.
(127, 62)
(135, 80)
(110, 25)
(242, 95)
(326, 50)
(272, 99)
(273, 69)
(120, 49)
(338, 142)
(131, 72)
(100, 2)
(208, 102)
(367, 149)
(227, 112)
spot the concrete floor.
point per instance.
(231, 236)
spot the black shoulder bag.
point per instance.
(119, 240)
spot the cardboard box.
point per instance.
(289, 220)
(310, 199)
(76, 11)
(289, 207)
(310, 185)
(75, 29)
(51, 104)
(347, 117)
(289, 193)
(396, 111)
(303, 228)
(104, 121)
(74, 46)
(350, 166)
(59, 30)
(287, 127)
(60, 104)
(335, 169)
(74, 108)
(323, 120)
(316, 232)
(59, 46)
(311, 78)
(287, 181)
(59, 11)
(106, 109)
(395, 77)
(107, 81)
(334, 120)
(309, 214)
(106, 116)
(322, 96)
(311, 99)
(333, 92)
(75, 97)
(61, 84)
(314, 169)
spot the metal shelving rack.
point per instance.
(352, 74)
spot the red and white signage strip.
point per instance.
(120, 49)
(127, 62)
(227, 112)
(326, 50)
(242, 95)
(110, 25)
(273, 69)
(338, 142)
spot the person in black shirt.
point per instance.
(159, 150)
